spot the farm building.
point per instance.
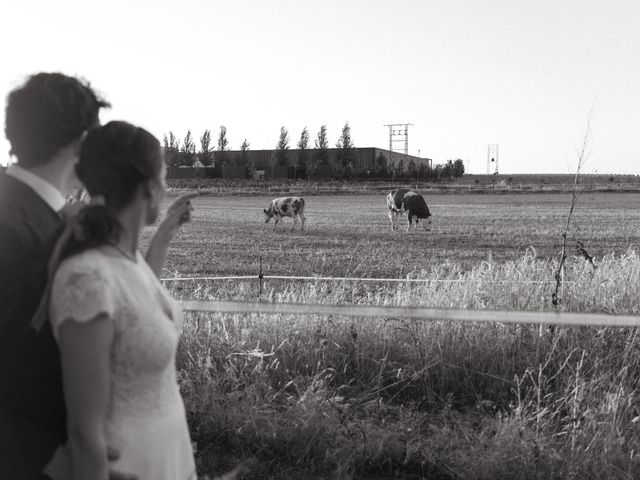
(300, 163)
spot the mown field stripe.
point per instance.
(417, 313)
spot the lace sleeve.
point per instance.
(79, 293)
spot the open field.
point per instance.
(341, 398)
(351, 235)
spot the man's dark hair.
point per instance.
(47, 113)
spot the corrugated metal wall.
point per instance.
(364, 161)
(364, 158)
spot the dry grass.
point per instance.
(332, 397)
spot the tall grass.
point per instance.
(331, 397)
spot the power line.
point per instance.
(492, 158)
(399, 133)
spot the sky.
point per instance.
(524, 74)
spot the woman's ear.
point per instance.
(77, 143)
(148, 188)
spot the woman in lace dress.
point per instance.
(116, 325)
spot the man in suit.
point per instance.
(46, 120)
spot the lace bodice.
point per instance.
(146, 323)
(146, 422)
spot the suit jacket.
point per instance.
(32, 412)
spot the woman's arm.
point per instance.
(85, 351)
(178, 213)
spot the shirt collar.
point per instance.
(50, 194)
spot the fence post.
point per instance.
(260, 279)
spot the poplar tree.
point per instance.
(221, 156)
(205, 155)
(346, 154)
(321, 151)
(303, 153)
(188, 151)
(171, 149)
(244, 156)
(282, 147)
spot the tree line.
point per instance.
(308, 161)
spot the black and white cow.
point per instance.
(403, 200)
(285, 207)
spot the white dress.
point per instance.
(146, 421)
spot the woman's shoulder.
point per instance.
(94, 262)
(91, 258)
(84, 287)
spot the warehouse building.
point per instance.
(359, 162)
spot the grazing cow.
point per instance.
(285, 207)
(402, 200)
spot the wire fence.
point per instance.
(260, 280)
(260, 277)
(415, 313)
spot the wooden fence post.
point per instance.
(260, 279)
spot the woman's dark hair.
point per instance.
(46, 114)
(115, 160)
